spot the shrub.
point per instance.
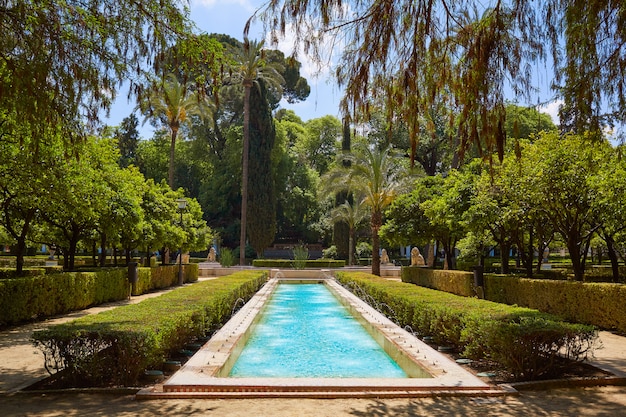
(116, 346)
(524, 341)
(363, 250)
(300, 256)
(330, 253)
(227, 258)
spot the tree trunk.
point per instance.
(72, 253)
(66, 259)
(449, 260)
(351, 248)
(94, 253)
(170, 174)
(505, 248)
(20, 247)
(610, 246)
(432, 258)
(574, 253)
(103, 253)
(376, 223)
(244, 173)
(20, 250)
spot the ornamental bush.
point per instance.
(524, 342)
(115, 347)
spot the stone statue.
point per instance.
(211, 256)
(416, 258)
(384, 258)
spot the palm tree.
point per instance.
(173, 104)
(377, 176)
(250, 67)
(352, 215)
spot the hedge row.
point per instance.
(289, 263)
(149, 279)
(598, 304)
(116, 346)
(33, 297)
(524, 342)
(455, 282)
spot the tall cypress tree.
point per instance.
(261, 222)
(341, 230)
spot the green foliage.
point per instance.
(454, 282)
(173, 104)
(300, 256)
(376, 177)
(330, 252)
(227, 258)
(363, 250)
(115, 347)
(62, 62)
(406, 222)
(525, 122)
(467, 56)
(127, 137)
(320, 143)
(261, 188)
(525, 342)
(297, 206)
(598, 304)
(150, 279)
(45, 295)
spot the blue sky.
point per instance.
(229, 17)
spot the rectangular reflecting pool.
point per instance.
(234, 364)
(305, 332)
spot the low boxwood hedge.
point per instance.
(452, 281)
(43, 295)
(525, 342)
(116, 346)
(289, 263)
(599, 304)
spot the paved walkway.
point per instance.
(21, 364)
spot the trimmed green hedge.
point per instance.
(33, 297)
(116, 346)
(289, 263)
(149, 279)
(525, 342)
(455, 282)
(599, 304)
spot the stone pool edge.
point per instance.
(198, 377)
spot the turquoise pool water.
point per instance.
(305, 332)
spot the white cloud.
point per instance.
(552, 108)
